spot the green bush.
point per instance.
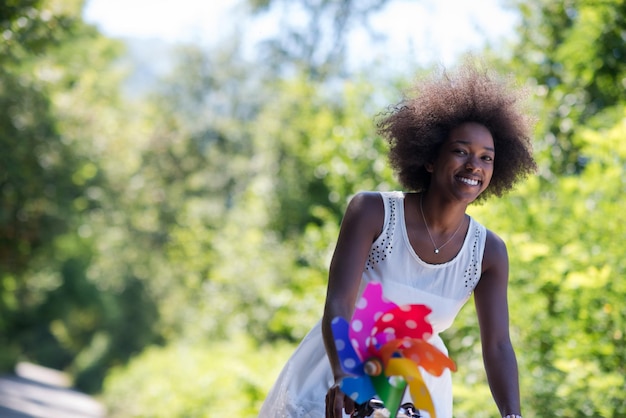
(222, 379)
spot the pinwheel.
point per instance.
(381, 348)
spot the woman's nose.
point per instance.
(470, 164)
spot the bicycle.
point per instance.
(368, 409)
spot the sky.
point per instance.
(428, 31)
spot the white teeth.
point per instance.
(471, 182)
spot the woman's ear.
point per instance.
(429, 167)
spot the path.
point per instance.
(38, 392)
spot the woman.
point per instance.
(458, 138)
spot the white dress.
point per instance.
(301, 387)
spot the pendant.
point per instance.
(436, 250)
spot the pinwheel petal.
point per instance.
(359, 389)
(419, 392)
(369, 308)
(407, 321)
(420, 352)
(427, 356)
(350, 360)
(390, 390)
(390, 349)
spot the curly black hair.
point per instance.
(417, 126)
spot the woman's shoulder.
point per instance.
(374, 197)
(366, 202)
(495, 250)
(374, 201)
(493, 242)
(367, 208)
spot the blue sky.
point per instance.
(429, 31)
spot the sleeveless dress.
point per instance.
(301, 387)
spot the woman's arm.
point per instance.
(490, 297)
(361, 225)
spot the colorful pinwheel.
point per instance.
(382, 347)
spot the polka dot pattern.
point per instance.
(350, 360)
(408, 321)
(370, 308)
(360, 389)
(349, 363)
(428, 357)
(382, 333)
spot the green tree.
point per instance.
(571, 53)
(253, 257)
(43, 176)
(567, 281)
(574, 51)
(60, 108)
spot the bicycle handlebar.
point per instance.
(367, 409)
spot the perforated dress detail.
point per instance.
(380, 250)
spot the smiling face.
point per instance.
(464, 165)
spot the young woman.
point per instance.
(457, 138)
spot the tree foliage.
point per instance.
(314, 33)
(566, 285)
(567, 276)
(575, 52)
(59, 99)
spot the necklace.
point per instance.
(428, 230)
